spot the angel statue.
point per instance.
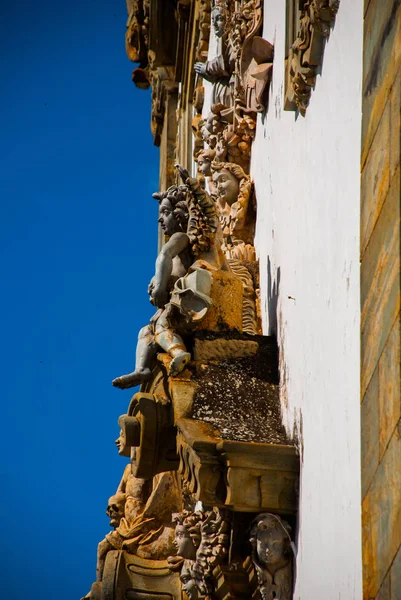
(181, 285)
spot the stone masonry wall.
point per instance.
(380, 301)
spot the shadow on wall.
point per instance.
(273, 287)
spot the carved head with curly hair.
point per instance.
(187, 533)
(173, 209)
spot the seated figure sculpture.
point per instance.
(182, 281)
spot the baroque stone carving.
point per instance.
(240, 73)
(140, 514)
(272, 555)
(317, 18)
(201, 541)
(233, 190)
(188, 266)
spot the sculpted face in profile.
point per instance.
(227, 186)
(167, 218)
(183, 543)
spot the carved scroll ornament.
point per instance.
(317, 18)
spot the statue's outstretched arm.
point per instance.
(158, 287)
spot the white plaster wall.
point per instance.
(306, 174)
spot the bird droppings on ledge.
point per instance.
(241, 398)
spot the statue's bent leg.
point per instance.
(171, 342)
(145, 352)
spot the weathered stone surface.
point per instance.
(226, 309)
(381, 518)
(395, 577)
(384, 592)
(222, 349)
(384, 48)
(389, 387)
(370, 432)
(395, 129)
(380, 283)
(375, 178)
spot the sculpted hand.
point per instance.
(158, 297)
(200, 68)
(183, 173)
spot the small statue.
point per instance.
(181, 285)
(219, 71)
(272, 556)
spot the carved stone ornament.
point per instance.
(201, 539)
(317, 18)
(140, 514)
(190, 270)
(272, 555)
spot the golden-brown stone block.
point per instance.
(226, 310)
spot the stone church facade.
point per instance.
(264, 442)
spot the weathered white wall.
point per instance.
(306, 174)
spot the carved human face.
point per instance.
(120, 442)
(204, 165)
(167, 219)
(271, 544)
(188, 583)
(218, 19)
(227, 186)
(183, 543)
(115, 509)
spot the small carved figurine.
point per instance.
(219, 71)
(272, 556)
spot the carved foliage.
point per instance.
(317, 17)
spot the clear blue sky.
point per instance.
(78, 242)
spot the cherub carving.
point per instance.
(272, 556)
(182, 281)
(201, 540)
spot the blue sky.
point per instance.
(78, 242)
